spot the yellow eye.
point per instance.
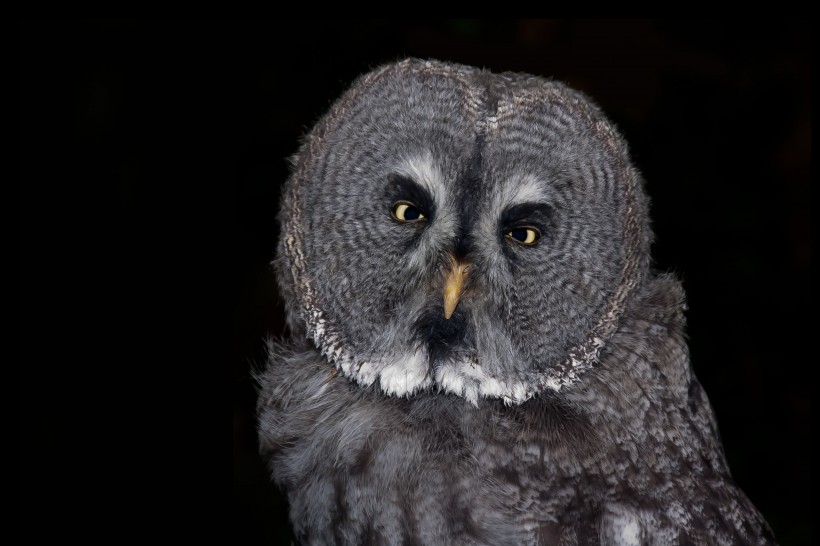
(405, 212)
(524, 235)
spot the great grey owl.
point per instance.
(480, 351)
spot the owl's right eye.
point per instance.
(407, 212)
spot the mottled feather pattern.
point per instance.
(557, 404)
(634, 442)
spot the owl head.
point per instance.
(448, 229)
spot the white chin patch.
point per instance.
(471, 381)
(399, 376)
(409, 374)
(404, 377)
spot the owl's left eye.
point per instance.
(407, 212)
(524, 235)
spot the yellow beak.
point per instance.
(454, 282)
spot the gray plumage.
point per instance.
(550, 400)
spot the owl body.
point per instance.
(480, 351)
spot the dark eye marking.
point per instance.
(408, 200)
(524, 224)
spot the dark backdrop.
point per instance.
(150, 157)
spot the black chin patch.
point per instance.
(444, 338)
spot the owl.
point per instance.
(480, 350)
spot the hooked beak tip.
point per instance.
(454, 286)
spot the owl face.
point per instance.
(450, 229)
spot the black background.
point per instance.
(150, 157)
